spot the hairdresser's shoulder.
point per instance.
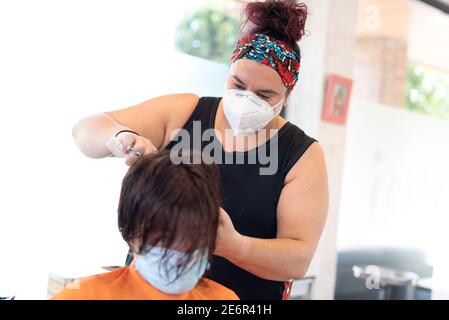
(175, 101)
(157, 108)
(175, 108)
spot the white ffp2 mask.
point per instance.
(246, 112)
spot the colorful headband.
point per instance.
(271, 52)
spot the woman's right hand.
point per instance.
(119, 146)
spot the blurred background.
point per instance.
(388, 161)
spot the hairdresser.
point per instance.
(270, 223)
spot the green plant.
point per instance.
(208, 34)
(427, 91)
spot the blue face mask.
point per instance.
(163, 275)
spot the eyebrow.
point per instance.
(260, 91)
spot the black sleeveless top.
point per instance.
(249, 197)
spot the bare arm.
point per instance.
(301, 214)
(92, 133)
(153, 119)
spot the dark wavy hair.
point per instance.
(174, 206)
(283, 20)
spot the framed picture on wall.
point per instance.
(336, 103)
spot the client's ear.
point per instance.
(134, 245)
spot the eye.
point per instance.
(264, 97)
(238, 86)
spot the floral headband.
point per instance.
(271, 52)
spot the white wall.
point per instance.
(396, 183)
(304, 108)
(328, 50)
(61, 61)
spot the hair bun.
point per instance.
(283, 19)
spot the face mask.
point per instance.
(163, 276)
(246, 112)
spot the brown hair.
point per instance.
(283, 20)
(171, 206)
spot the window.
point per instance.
(427, 91)
(210, 31)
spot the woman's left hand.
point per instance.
(227, 237)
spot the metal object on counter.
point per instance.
(392, 284)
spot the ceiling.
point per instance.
(428, 42)
(421, 26)
(442, 5)
(446, 2)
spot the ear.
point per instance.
(287, 96)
